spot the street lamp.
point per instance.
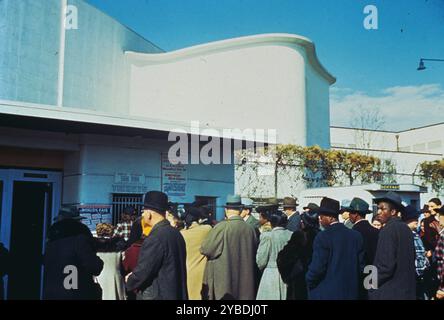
(421, 63)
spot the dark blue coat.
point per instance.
(337, 264)
(294, 222)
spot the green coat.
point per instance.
(252, 221)
(230, 272)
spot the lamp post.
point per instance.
(421, 63)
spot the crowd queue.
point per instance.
(326, 252)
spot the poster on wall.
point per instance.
(94, 214)
(174, 178)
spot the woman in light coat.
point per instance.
(194, 235)
(271, 286)
(109, 250)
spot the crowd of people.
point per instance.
(255, 253)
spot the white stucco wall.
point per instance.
(256, 82)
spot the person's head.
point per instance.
(426, 211)
(128, 214)
(345, 215)
(356, 216)
(192, 215)
(104, 230)
(310, 220)
(264, 217)
(278, 219)
(376, 222)
(422, 227)
(155, 207)
(289, 205)
(246, 211)
(410, 216)
(234, 206)
(328, 211)
(386, 211)
(247, 207)
(311, 207)
(434, 204)
(358, 209)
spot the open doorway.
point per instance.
(31, 210)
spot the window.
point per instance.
(123, 200)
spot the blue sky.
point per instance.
(375, 69)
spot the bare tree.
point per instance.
(367, 120)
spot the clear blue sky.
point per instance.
(367, 63)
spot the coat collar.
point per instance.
(235, 218)
(161, 224)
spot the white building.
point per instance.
(85, 116)
(405, 149)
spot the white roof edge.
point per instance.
(20, 108)
(234, 43)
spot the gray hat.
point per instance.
(68, 212)
(247, 203)
(234, 202)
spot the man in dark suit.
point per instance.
(338, 258)
(160, 273)
(358, 209)
(294, 219)
(395, 254)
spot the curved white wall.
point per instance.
(247, 85)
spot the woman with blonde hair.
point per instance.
(110, 279)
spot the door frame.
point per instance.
(9, 176)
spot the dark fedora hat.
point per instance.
(68, 212)
(156, 201)
(410, 213)
(272, 204)
(329, 207)
(311, 207)
(392, 198)
(234, 202)
(359, 206)
(289, 202)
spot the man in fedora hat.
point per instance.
(345, 213)
(358, 209)
(395, 253)
(230, 248)
(70, 243)
(294, 219)
(338, 258)
(410, 216)
(160, 273)
(246, 213)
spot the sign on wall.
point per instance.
(95, 214)
(174, 178)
